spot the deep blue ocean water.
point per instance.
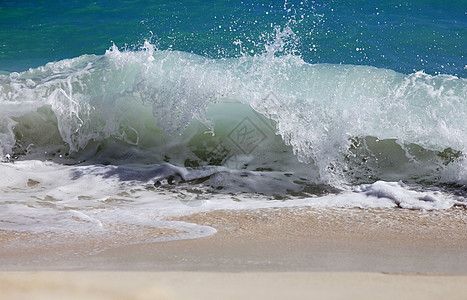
(404, 36)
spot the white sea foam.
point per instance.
(47, 197)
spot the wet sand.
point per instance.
(226, 285)
(284, 252)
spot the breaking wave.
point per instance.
(332, 124)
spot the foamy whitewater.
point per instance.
(137, 136)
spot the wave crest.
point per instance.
(179, 107)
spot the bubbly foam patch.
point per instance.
(47, 197)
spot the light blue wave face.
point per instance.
(336, 124)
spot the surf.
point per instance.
(341, 122)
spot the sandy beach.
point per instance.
(226, 285)
(269, 253)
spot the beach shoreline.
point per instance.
(275, 253)
(275, 239)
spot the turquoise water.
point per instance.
(134, 111)
(404, 36)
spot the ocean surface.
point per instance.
(129, 112)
